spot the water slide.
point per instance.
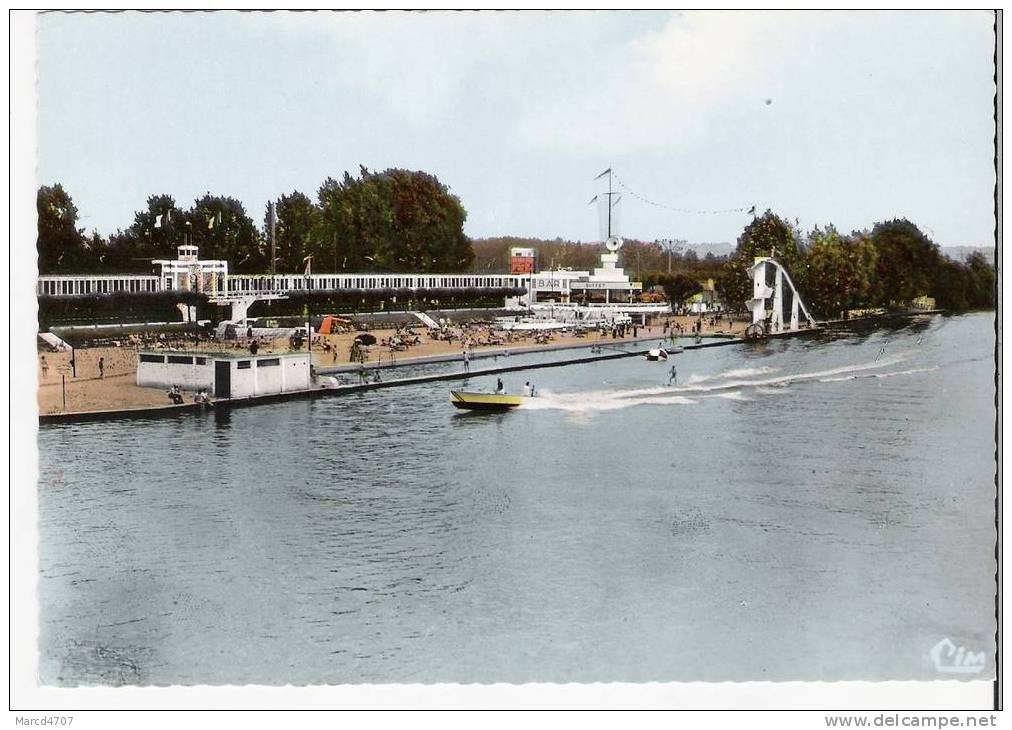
(53, 341)
(427, 320)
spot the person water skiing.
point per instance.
(672, 375)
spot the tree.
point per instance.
(838, 272)
(982, 280)
(220, 227)
(61, 245)
(767, 235)
(677, 287)
(397, 220)
(154, 234)
(297, 232)
(908, 263)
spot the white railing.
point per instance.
(240, 284)
(83, 284)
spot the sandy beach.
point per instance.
(115, 387)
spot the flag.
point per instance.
(158, 221)
(603, 174)
(308, 261)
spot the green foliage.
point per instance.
(983, 281)
(61, 244)
(220, 227)
(395, 220)
(838, 272)
(908, 262)
(154, 234)
(400, 220)
(677, 287)
(296, 229)
(767, 235)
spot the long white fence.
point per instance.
(84, 284)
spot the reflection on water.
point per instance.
(796, 509)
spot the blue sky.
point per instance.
(828, 117)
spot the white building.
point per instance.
(607, 284)
(189, 273)
(225, 375)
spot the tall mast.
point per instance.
(273, 219)
(609, 202)
(610, 195)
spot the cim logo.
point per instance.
(950, 659)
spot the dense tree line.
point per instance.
(888, 267)
(396, 220)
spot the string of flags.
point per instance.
(162, 219)
(722, 211)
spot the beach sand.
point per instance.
(117, 388)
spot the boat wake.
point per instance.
(737, 373)
(742, 385)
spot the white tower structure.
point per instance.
(188, 273)
(761, 291)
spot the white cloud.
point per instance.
(666, 86)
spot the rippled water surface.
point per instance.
(804, 509)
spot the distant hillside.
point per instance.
(962, 253)
(492, 254)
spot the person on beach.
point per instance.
(101, 367)
(467, 360)
(45, 366)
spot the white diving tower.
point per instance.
(761, 291)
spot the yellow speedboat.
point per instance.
(485, 401)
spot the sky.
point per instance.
(825, 117)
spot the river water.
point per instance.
(804, 509)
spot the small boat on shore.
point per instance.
(485, 401)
